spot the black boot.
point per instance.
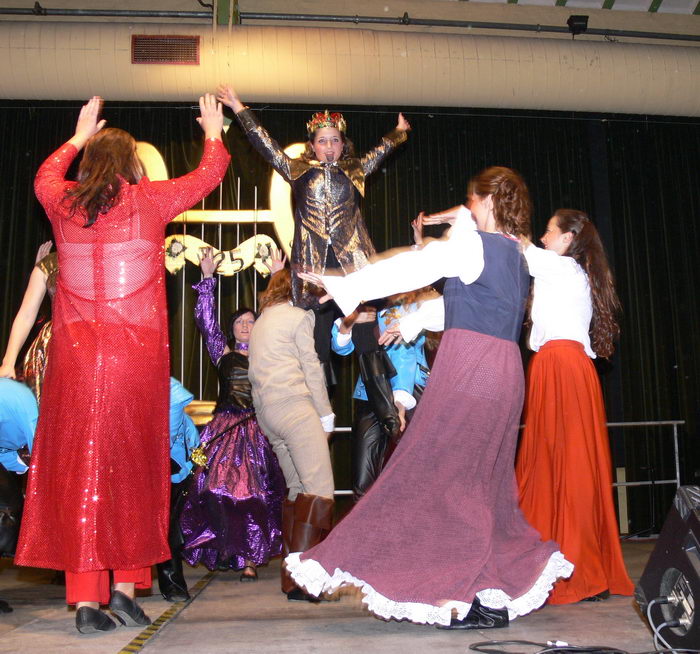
(479, 617)
(376, 370)
(171, 581)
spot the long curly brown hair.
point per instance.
(587, 250)
(109, 160)
(278, 291)
(512, 207)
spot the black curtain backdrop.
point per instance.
(636, 176)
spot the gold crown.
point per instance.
(325, 119)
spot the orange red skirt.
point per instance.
(564, 471)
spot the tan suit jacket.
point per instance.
(283, 359)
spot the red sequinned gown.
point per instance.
(99, 483)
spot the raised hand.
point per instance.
(363, 313)
(43, 250)
(313, 278)
(403, 124)
(316, 280)
(276, 261)
(89, 122)
(417, 226)
(447, 216)
(226, 94)
(211, 118)
(209, 262)
(391, 335)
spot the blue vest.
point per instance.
(495, 303)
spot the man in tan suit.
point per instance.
(294, 412)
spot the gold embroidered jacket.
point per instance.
(327, 204)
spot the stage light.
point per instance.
(577, 24)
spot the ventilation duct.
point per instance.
(176, 50)
(59, 61)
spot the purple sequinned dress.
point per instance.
(233, 511)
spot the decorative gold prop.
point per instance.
(199, 456)
(254, 251)
(251, 251)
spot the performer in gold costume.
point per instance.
(327, 181)
(42, 280)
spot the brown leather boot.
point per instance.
(287, 528)
(313, 518)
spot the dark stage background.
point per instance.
(636, 176)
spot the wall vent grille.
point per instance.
(158, 49)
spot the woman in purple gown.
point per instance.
(232, 517)
(439, 538)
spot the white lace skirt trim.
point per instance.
(311, 575)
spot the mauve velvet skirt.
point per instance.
(442, 522)
(233, 511)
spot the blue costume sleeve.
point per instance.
(10, 461)
(183, 433)
(342, 350)
(18, 416)
(407, 358)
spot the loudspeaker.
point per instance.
(673, 572)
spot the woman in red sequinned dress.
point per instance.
(98, 493)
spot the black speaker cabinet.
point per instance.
(673, 570)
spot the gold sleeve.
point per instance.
(49, 264)
(372, 160)
(268, 148)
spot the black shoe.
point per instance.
(5, 607)
(90, 621)
(479, 617)
(249, 573)
(600, 597)
(224, 565)
(128, 612)
(298, 595)
(171, 581)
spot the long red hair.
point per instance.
(109, 160)
(278, 291)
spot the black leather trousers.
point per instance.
(368, 449)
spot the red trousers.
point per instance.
(94, 586)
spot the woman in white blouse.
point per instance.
(563, 466)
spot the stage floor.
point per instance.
(229, 616)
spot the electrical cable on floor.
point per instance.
(560, 647)
(545, 648)
(658, 638)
